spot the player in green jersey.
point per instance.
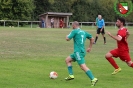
(79, 36)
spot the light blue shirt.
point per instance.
(101, 23)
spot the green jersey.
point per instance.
(79, 36)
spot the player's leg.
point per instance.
(42, 25)
(126, 57)
(69, 67)
(51, 24)
(87, 71)
(98, 32)
(103, 34)
(109, 56)
(130, 63)
(89, 74)
(81, 62)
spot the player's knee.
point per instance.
(108, 55)
(68, 60)
(130, 63)
(84, 67)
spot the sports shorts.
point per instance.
(99, 31)
(124, 56)
(79, 57)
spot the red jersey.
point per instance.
(122, 45)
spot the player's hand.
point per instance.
(108, 33)
(67, 38)
(88, 50)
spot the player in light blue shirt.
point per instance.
(100, 29)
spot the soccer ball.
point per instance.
(53, 75)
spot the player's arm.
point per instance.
(118, 37)
(67, 39)
(103, 24)
(89, 36)
(127, 34)
(90, 45)
(70, 36)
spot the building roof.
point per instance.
(56, 13)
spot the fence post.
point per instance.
(81, 24)
(4, 23)
(126, 25)
(31, 25)
(69, 25)
(18, 23)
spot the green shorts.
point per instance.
(79, 57)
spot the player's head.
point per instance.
(100, 17)
(120, 22)
(75, 24)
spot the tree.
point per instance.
(41, 6)
(16, 9)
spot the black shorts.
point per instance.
(102, 32)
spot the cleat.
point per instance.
(94, 81)
(116, 71)
(70, 77)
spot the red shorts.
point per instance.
(124, 56)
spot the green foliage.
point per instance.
(16, 9)
(42, 6)
(83, 10)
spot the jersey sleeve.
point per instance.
(122, 33)
(71, 34)
(88, 35)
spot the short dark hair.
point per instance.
(122, 20)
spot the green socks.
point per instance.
(70, 70)
(89, 74)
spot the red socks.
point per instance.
(113, 63)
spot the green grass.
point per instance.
(28, 55)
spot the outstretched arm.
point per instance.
(67, 39)
(118, 37)
(91, 43)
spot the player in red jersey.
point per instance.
(122, 50)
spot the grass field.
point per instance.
(28, 55)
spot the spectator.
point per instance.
(61, 23)
(43, 23)
(52, 22)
